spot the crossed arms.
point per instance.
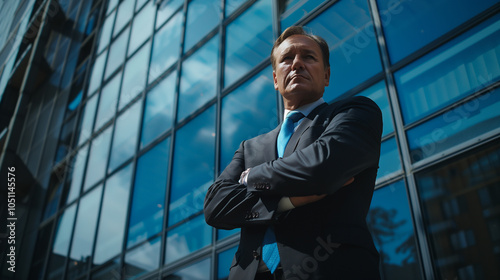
(349, 144)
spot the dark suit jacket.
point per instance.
(332, 144)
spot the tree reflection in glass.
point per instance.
(389, 221)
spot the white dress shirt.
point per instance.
(285, 203)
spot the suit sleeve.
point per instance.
(229, 205)
(349, 145)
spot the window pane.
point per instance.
(28, 129)
(72, 9)
(42, 122)
(390, 223)
(75, 97)
(70, 65)
(61, 52)
(124, 14)
(195, 143)
(166, 10)
(158, 111)
(410, 25)
(460, 200)
(232, 5)
(139, 3)
(24, 145)
(221, 233)
(478, 116)
(111, 5)
(248, 111)
(166, 46)
(455, 70)
(354, 55)
(53, 194)
(135, 75)
(197, 271)
(60, 248)
(125, 137)
(199, 78)
(87, 119)
(64, 146)
(98, 158)
(224, 263)
(107, 101)
(249, 40)
(105, 35)
(378, 93)
(76, 174)
(146, 217)
(51, 46)
(83, 16)
(117, 53)
(389, 158)
(143, 259)
(65, 135)
(41, 248)
(97, 70)
(113, 216)
(142, 27)
(294, 10)
(91, 22)
(108, 271)
(83, 239)
(187, 238)
(202, 17)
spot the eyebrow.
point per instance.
(302, 51)
(308, 51)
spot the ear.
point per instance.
(275, 79)
(327, 76)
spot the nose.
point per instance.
(298, 63)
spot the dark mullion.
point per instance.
(138, 144)
(423, 254)
(172, 138)
(220, 82)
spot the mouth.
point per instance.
(297, 76)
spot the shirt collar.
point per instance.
(306, 109)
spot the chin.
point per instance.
(298, 89)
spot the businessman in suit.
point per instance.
(301, 200)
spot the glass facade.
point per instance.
(138, 105)
(459, 199)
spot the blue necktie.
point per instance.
(287, 129)
(270, 254)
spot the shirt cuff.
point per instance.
(285, 204)
(244, 177)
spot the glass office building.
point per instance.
(118, 115)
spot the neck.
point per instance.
(291, 105)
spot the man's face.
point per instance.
(300, 75)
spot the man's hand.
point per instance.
(303, 200)
(244, 176)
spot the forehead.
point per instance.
(298, 43)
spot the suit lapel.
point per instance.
(294, 140)
(270, 151)
(304, 125)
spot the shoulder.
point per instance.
(358, 109)
(263, 138)
(356, 103)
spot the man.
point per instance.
(302, 209)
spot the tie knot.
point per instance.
(294, 116)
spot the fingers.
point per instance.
(348, 181)
(303, 200)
